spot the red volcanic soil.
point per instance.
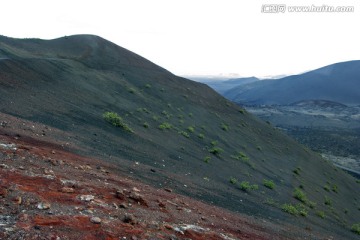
(47, 192)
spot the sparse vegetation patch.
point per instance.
(295, 210)
(300, 195)
(216, 150)
(320, 214)
(117, 121)
(269, 184)
(246, 186)
(207, 159)
(232, 180)
(185, 134)
(356, 228)
(224, 127)
(165, 125)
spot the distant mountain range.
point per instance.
(338, 82)
(222, 86)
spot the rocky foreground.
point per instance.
(47, 192)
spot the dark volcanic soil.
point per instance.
(47, 192)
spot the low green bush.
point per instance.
(356, 228)
(165, 125)
(269, 184)
(216, 150)
(117, 121)
(246, 186)
(300, 195)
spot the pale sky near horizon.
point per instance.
(200, 37)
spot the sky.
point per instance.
(228, 38)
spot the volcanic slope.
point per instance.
(173, 133)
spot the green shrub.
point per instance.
(191, 129)
(166, 114)
(311, 204)
(201, 136)
(298, 209)
(148, 86)
(320, 214)
(246, 186)
(335, 188)
(216, 151)
(165, 125)
(297, 171)
(145, 125)
(185, 134)
(232, 180)
(289, 208)
(269, 184)
(303, 212)
(300, 195)
(117, 121)
(327, 188)
(327, 201)
(356, 228)
(240, 156)
(207, 159)
(131, 90)
(224, 126)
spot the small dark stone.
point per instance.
(128, 218)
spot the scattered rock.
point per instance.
(136, 189)
(168, 189)
(152, 170)
(87, 198)
(4, 166)
(23, 217)
(3, 124)
(10, 146)
(95, 220)
(54, 162)
(123, 205)
(129, 218)
(3, 192)
(120, 194)
(68, 183)
(48, 171)
(167, 226)
(43, 206)
(67, 190)
(138, 198)
(17, 200)
(162, 205)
